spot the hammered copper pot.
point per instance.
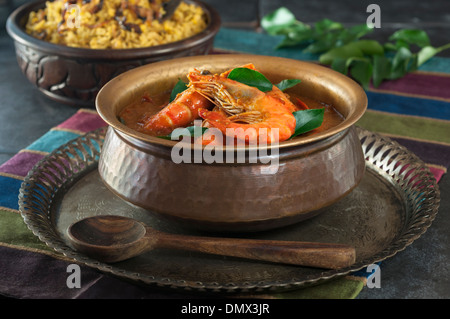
(277, 186)
(74, 76)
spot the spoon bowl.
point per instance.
(107, 231)
(110, 238)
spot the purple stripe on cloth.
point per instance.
(21, 163)
(430, 153)
(44, 277)
(83, 121)
(416, 83)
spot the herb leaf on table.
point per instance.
(342, 48)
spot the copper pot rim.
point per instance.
(14, 27)
(250, 156)
(106, 112)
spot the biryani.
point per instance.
(114, 24)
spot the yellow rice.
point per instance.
(101, 30)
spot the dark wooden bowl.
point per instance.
(314, 171)
(75, 75)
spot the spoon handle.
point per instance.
(311, 254)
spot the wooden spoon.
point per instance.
(111, 239)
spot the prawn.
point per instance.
(179, 113)
(283, 99)
(252, 115)
(183, 110)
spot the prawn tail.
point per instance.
(180, 112)
(215, 119)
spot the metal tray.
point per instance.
(395, 203)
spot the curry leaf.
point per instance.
(322, 43)
(340, 65)
(287, 84)
(368, 47)
(402, 63)
(411, 36)
(361, 70)
(307, 120)
(354, 33)
(428, 52)
(343, 52)
(251, 78)
(381, 69)
(278, 20)
(354, 49)
(179, 87)
(327, 25)
(296, 34)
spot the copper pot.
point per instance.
(279, 185)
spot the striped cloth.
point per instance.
(414, 110)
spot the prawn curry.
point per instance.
(240, 103)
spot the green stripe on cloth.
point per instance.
(340, 288)
(421, 128)
(15, 232)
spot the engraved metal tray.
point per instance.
(394, 204)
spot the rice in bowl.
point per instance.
(114, 24)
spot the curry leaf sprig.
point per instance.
(345, 51)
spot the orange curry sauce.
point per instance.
(134, 114)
